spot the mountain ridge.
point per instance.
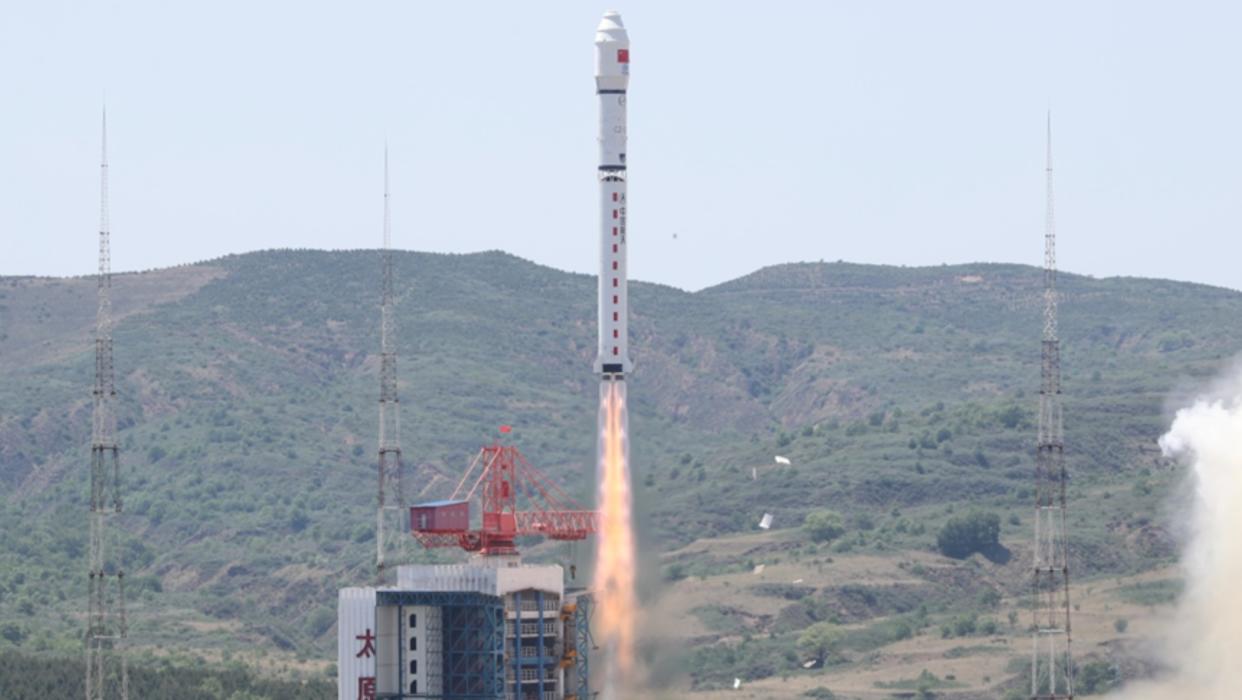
(246, 415)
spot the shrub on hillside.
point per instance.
(964, 535)
(1097, 677)
(823, 525)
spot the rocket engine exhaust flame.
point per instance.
(1203, 640)
(615, 599)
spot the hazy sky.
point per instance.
(764, 132)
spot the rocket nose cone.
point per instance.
(611, 28)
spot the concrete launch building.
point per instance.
(493, 628)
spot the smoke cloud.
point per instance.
(1203, 642)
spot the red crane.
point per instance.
(547, 510)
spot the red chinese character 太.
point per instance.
(366, 688)
(368, 645)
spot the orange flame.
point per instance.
(615, 563)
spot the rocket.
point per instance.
(616, 606)
(612, 78)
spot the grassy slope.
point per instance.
(247, 418)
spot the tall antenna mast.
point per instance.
(107, 667)
(389, 535)
(1052, 665)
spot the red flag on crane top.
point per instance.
(506, 429)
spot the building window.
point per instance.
(413, 687)
(615, 333)
(413, 643)
(413, 667)
(413, 621)
(616, 316)
(614, 230)
(614, 213)
(615, 298)
(614, 247)
(614, 264)
(614, 196)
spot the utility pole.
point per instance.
(1052, 665)
(390, 517)
(107, 669)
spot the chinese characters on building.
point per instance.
(366, 684)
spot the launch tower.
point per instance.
(1052, 667)
(107, 667)
(390, 508)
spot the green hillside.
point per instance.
(248, 389)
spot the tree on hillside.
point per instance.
(820, 640)
(964, 535)
(823, 525)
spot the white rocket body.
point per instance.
(612, 79)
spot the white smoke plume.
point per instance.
(1203, 642)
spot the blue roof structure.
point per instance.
(436, 504)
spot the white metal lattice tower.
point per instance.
(390, 530)
(1052, 664)
(107, 669)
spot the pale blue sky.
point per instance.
(887, 132)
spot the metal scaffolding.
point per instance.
(471, 643)
(534, 658)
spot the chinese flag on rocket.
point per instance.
(623, 55)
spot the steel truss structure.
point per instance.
(1052, 666)
(390, 524)
(585, 644)
(107, 665)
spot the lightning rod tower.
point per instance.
(1052, 665)
(389, 535)
(107, 667)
